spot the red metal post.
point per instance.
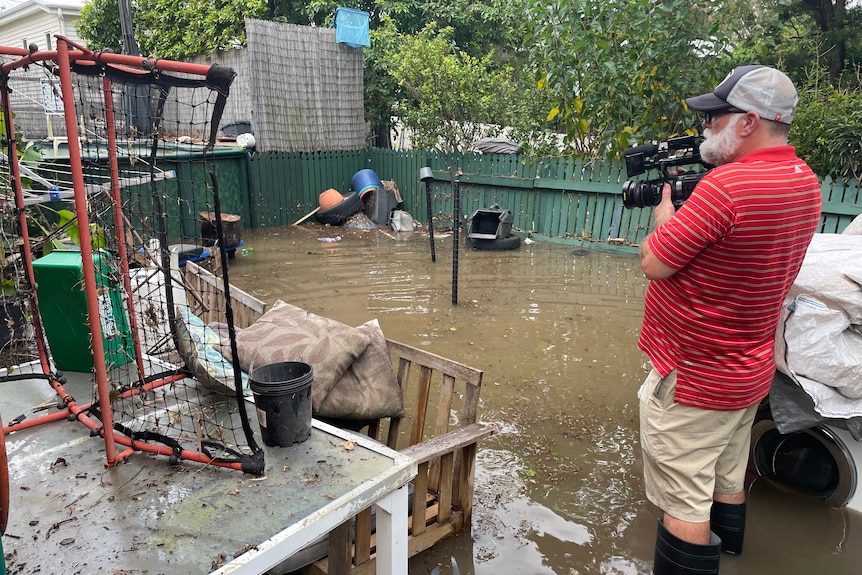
(119, 224)
(90, 287)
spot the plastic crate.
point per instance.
(351, 27)
(63, 306)
(490, 224)
(379, 204)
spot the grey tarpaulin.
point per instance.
(793, 409)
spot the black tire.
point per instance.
(510, 242)
(338, 214)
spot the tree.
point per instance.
(618, 70)
(476, 28)
(827, 129)
(802, 34)
(448, 97)
(477, 25)
(173, 29)
(830, 19)
(99, 25)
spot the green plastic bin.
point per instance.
(63, 307)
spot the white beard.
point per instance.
(720, 147)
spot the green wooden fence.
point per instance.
(553, 199)
(285, 185)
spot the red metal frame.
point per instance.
(67, 52)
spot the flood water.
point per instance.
(558, 489)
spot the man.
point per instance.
(720, 267)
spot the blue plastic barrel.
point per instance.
(365, 180)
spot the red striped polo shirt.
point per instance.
(738, 243)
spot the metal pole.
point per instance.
(456, 219)
(136, 98)
(426, 176)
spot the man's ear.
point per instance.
(750, 122)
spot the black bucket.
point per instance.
(282, 396)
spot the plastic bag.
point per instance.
(401, 221)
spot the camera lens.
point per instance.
(641, 194)
(631, 194)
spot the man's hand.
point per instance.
(653, 268)
(665, 210)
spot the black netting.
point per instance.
(147, 179)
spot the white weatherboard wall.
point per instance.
(25, 22)
(37, 21)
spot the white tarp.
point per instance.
(819, 344)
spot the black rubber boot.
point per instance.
(673, 556)
(727, 520)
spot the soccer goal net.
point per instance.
(102, 223)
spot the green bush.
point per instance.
(827, 131)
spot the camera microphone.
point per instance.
(645, 149)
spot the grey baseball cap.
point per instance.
(752, 88)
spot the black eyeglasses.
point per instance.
(710, 117)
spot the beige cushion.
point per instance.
(290, 333)
(369, 388)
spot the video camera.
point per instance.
(682, 151)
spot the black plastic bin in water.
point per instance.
(282, 396)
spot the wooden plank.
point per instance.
(435, 533)
(422, 397)
(444, 405)
(456, 439)
(270, 195)
(619, 220)
(209, 287)
(829, 224)
(466, 481)
(447, 463)
(362, 545)
(339, 549)
(601, 221)
(275, 194)
(420, 487)
(591, 216)
(583, 213)
(435, 362)
(471, 402)
(415, 546)
(574, 210)
(525, 209)
(840, 207)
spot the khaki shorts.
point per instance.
(689, 453)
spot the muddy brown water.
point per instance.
(558, 489)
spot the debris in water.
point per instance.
(330, 240)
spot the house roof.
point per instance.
(13, 10)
